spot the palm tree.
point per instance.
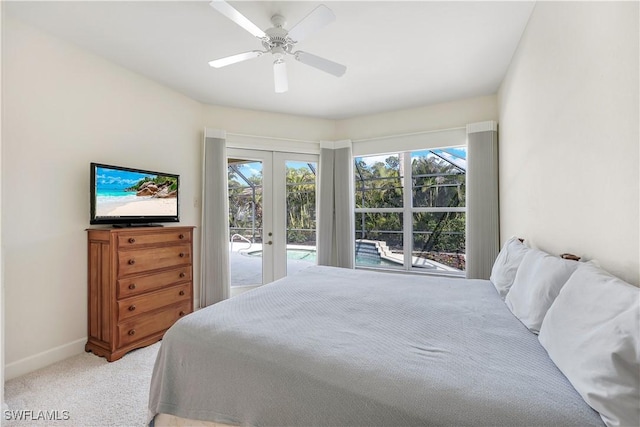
(301, 205)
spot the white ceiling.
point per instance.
(398, 54)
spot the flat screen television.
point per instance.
(123, 196)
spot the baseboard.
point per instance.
(46, 358)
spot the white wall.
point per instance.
(430, 117)
(569, 134)
(64, 108)
(259, 123)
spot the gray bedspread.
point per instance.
(343, 347)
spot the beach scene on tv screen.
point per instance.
(124, 193)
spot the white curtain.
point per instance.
(483, 222)
(335, 205)
(214, 261)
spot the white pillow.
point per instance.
(506, 264)
(592, 333)
(536, 285)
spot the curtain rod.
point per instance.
(354, 140)
(272, 137)
(402, 135)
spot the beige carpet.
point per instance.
(92, 391)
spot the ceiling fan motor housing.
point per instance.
(277, 40)
(278, 21)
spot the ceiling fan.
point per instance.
(280, 42)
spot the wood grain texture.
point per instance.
(140, 282)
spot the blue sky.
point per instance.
(456, 155)
(113, 179)
(255, 168)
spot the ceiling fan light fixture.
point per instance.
(278, 53)
(280, 76)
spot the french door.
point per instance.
(272, 206)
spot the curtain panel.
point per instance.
(336, 234)
(483, 222)
(214, 253)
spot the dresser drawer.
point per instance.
(137, 239)
(135, 279)
(134, 306)
(137, 261)
(141, 327)
(136, 285)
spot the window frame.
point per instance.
(408, 210)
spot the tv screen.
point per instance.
(126, 196)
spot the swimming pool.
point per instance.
(310, 256)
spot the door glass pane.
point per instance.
(245, 221)
(379, 240)
(301, 215)
(378, 181)
(439, 241)
(439, 177)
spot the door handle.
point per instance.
(269, 242)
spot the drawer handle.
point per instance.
(132, 240)
(132, 332)
(132, 307)
(181, 254)
(132, 286)
(181, 236)
(132, 261)
(181, 293)
(182, 274)
(182, 313)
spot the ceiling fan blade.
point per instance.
(316, 19)
(321, 63)
(227, 10)
(223, 62)
(280, 76)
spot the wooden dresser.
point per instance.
(140, 283)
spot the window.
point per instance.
(410, 210)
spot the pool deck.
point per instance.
(246, 270)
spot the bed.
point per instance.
(340, 347)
